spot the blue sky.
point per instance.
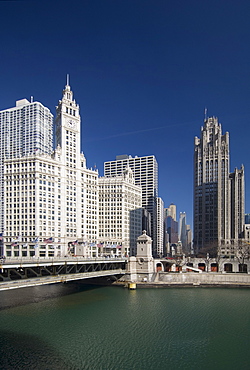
(142, 72)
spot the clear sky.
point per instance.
(142, 71)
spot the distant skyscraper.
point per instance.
(247, 218)
(25, 129)
(189, 240)
(171, 225)
(146, 221)
(160, 227)
(172, 229)
(171, 211)
(218, 195)
(183, 231)
(145, 171)
(237, 192)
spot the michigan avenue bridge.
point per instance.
(18, 273)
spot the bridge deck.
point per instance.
(7, 285)
(16, 274)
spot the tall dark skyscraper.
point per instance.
(218, 194)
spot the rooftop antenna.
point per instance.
(205, 114)
(67, 80)
(31, 99)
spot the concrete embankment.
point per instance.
(210, 279)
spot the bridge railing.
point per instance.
(23, 260)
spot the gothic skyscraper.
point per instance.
(217, 193)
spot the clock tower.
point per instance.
(68, 128)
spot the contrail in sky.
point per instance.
(155, 128)
(135, 132)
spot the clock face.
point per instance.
(71, 123)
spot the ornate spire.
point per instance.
(67, 80)
(67, 93)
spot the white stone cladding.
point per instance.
(120, 212)
(160, 227)
(145, 171)
(25, 129)
(51, 196)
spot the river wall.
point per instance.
(203, 278)
(163, 279)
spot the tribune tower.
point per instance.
(218, 195)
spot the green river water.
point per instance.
(72, 326)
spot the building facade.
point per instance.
(25, 129)
(145, 172)
(247, 218)
(120, 213)
(171, 225)
(189, 240)
(172, 230)
(171, 211)
(237, 194)
(218, 195)
(80, 183)
(160, 227)
(51, 200)
(183, 231)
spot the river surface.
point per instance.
(72, 326)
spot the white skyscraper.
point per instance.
(160, 226)
(25, 129)
(145, 171)
(120, 212)
(51, 200)
(79, 183)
